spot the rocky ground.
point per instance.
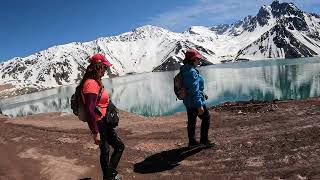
(254, 140)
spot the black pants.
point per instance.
(109, 136)
(192, 120)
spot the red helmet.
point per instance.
(191, 53)
(100, 58)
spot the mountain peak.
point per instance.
(149, 28)
(275, 3)
(281, 9)
(264, 15)
(147, 31)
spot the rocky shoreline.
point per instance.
(254, 140)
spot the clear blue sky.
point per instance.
(29, 26)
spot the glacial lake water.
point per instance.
(151, 94)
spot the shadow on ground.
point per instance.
(165, 160)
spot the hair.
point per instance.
(92, 72)
(188, 61)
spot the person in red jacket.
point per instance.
(95, 108)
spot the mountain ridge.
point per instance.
(279, 30)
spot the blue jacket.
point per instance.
(194, 83)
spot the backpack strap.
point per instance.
(100, 93)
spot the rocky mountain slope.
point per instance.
(293, 33)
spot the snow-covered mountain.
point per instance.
(292, 33)
(279, 30)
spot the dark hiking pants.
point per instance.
(192, 119)
(109, 136)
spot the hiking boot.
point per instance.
(207, 143)
(113, 175)
(117, 177)
(193, 143)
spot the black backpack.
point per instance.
(178, 88)
(77, 104)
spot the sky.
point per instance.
(30, 26)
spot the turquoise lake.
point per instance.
(151, 94)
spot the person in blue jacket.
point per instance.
(195, 98)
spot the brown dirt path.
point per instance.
(256, 140)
